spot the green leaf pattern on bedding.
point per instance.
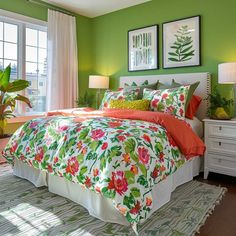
(120, 159)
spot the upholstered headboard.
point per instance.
(187, 78)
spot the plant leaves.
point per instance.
(173, 59)
(186, 49)
(17, 85)
(83, 170)
(142, 180)
(130, 145)
(143, 169)
(108, 193)
(130, 177)
(23, 99)
(5, 78)
(173, 54)
(84, 134)
(135, 192)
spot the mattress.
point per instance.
(97, 205)
(196, 125)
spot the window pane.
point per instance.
(31, 37)
(10, 33)
(31, 54)
(31, 70)
(1, 31)
(38, 104)
(42, 39)
(1, 49)
(41, 106)
(42, 55)
(10, 51)
(14, 68)
(42, 69)
(36, 69)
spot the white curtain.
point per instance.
(62, 89)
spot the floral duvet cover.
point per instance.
(122, 159)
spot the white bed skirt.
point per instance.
(97, 205)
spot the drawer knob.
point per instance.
(219, 143)
(220, 128)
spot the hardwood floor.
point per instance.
(223, 220)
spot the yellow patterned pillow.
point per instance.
(142, 105)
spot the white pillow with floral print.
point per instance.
(171, 101)
(109, 95)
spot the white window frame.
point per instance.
(22, 22)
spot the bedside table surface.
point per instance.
(232, 121)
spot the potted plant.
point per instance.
(219, 106)
(84, 101)
(8, 98)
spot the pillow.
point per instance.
(175, 85)
(171, 101)
(190, 92)
(142, 105)
(163, 86)
(130, 95)
(141, 88)
(193, 106)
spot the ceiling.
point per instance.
(93, 8)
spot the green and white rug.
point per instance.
(26, 210)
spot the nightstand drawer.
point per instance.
(223, 146)
(222, 130)
(221, 162)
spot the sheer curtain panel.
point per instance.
(62, 89)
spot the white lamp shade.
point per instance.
(227, 73)
(98, 82)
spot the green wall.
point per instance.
(84, 28)
(102, 41)
(218, 35)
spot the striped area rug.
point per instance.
(26, 210)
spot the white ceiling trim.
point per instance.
(94, 8)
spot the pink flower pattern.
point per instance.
(171, 101)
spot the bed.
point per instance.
(103, 207)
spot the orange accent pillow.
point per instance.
(193, 106)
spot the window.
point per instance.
(9, 47)
(23, 43)
(36, 68)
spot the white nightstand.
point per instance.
(220, 140)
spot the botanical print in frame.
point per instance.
(181, 42)
(143, 48)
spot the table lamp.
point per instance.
(98, 82)
(227, 75)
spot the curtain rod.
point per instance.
(50, 6)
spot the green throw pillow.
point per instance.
(141, 87)
(141, 105)
(163, 86)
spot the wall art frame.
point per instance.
(143, 48)
(181, 42)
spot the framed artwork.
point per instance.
(181, 42)
(143, 48)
